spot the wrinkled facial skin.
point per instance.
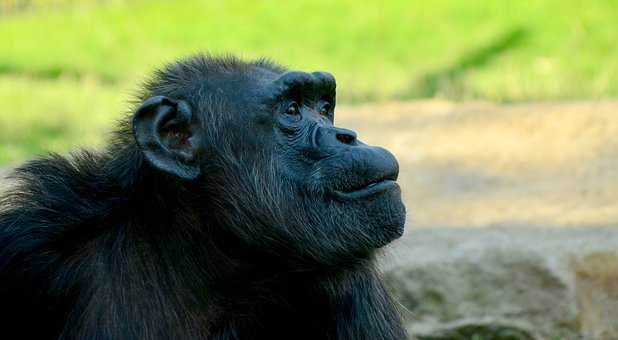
(326, 191)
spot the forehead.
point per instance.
(262, 78)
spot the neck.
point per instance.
(362, 307)
(258, 299)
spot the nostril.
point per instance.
(346, 138)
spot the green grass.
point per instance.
(378, 50)
(62, 115)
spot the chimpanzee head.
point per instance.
(257, 147)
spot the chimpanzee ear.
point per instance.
(168, 135)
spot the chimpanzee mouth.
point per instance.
(367, 190)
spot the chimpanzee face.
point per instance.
(330, 164)
(264, 148)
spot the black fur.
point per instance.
(106, 245)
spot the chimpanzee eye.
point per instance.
(293, 109)
(325, 110)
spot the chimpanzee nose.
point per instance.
(329, 136)
(346, 136)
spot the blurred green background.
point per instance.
(68, 68)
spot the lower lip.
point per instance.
(367, 191)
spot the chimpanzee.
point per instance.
(227, 206)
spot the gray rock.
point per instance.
(487, 328)
(502, 283)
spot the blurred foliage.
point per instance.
(64, 60)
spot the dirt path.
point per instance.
(478, 164)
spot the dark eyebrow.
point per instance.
(301, 85)
(325, 81)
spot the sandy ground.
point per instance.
(479, 164)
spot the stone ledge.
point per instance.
(535, 282)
